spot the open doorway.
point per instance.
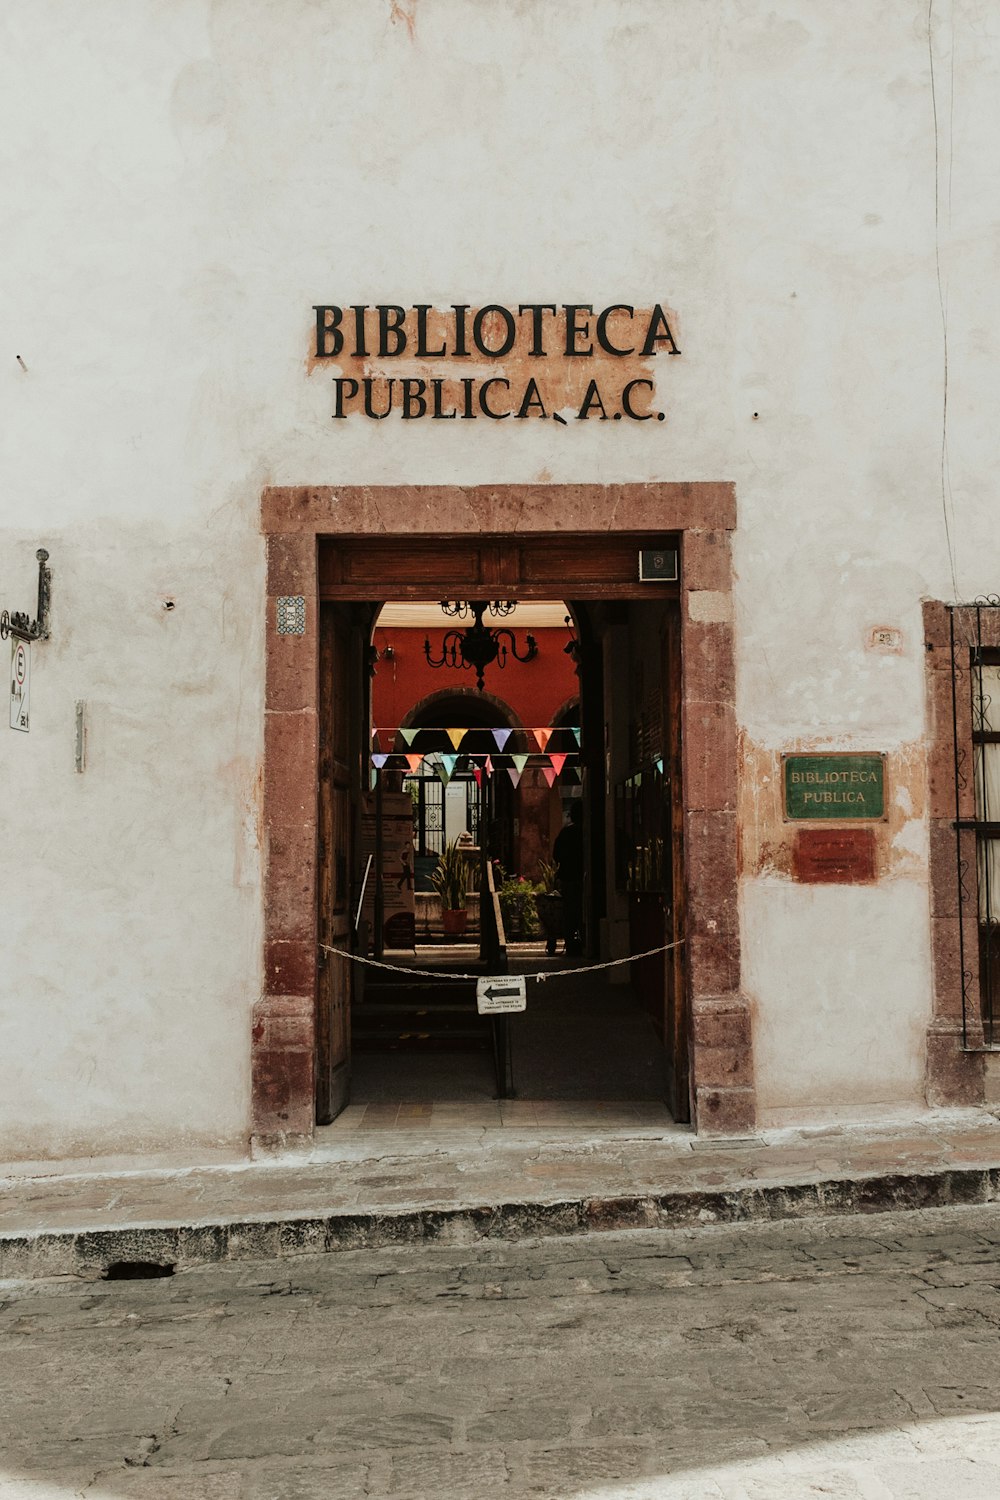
(567, 725)
(331, 545)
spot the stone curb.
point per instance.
(89, 1253)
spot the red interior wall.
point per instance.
(535, 690)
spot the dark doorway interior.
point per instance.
(580, 1039)
(586, 1038)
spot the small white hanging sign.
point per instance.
(497, 995)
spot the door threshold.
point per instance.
(588, 1116)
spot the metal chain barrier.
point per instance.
(541, 975)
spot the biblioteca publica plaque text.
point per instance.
(544, 360)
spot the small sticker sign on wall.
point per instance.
(20, 684)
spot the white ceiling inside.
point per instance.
(421, 614)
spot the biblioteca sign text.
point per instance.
(559, 361)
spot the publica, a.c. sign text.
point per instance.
(542, 360)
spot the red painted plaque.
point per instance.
(834, 856)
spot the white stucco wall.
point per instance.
(183, 181)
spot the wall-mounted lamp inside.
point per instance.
(375, 656)
(572, 646)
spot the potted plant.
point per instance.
(450, 879)
(549, 905)
(517, 903)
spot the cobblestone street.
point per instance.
(841, 1357)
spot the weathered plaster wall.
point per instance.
(831, 1043)
(182, 182)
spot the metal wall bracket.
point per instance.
(20, 625)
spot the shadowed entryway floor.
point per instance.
(581, 1039)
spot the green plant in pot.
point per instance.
(517, 903)
(450, 880)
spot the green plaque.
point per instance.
(823, 787)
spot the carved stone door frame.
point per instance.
(293, 520)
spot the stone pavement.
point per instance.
(826, 1358)
(363, 1186)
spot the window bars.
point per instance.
(974, 631)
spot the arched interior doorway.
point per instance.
(446, 811)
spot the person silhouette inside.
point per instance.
(568, 855)
(405, 881)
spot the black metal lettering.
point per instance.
(637, 416)
(422, 309)
(573, 332)
(497, 416)
(344, 387)
(509, 324)
(592, 398)
(394, 327)
(461, 350)
(413, 397)
(379, 416)
(659, 320)
(328, 327)
(360, 346)
(536, 309)
(531, 398)
(602, 329)
(437, 387)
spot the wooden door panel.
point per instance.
(404, 563)
(338, 726)
(604, 565)
(562, 558)
(676, 1019)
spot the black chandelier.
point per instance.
(478, 646)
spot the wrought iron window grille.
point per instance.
(974, 631)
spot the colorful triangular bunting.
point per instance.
(542, 736)
(574, 731)
(408, 735)
(378, 761)
(520, 760)
(514, 773)
(558, 761)
(456, 736)
(414, 762)
(550, 775)
(501, 736)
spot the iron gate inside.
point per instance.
(428, 811)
